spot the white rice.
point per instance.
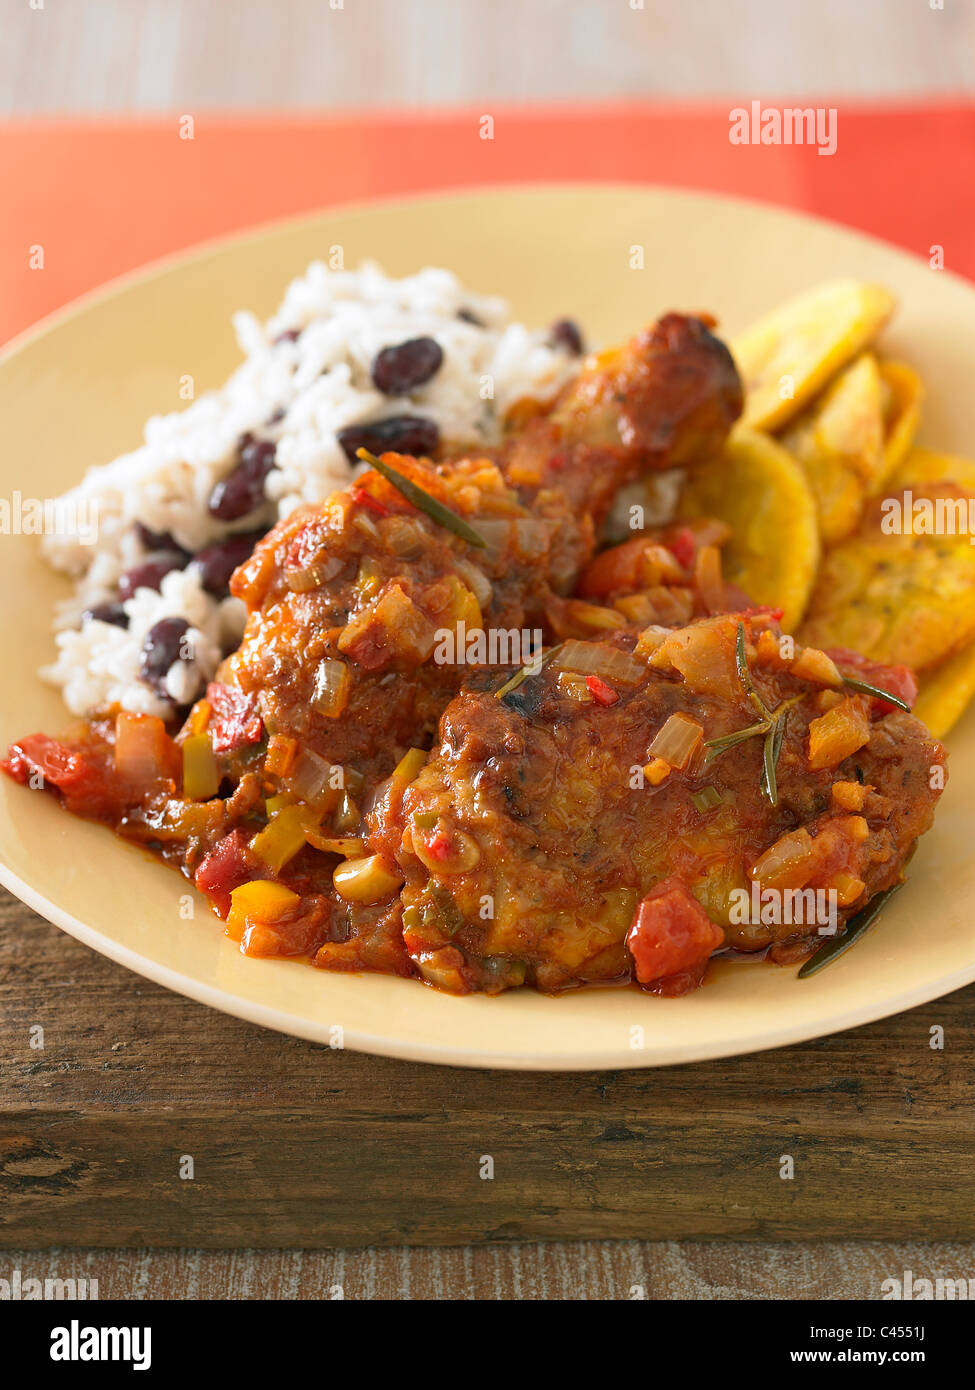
(322, 383)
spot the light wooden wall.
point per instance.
(145, 55)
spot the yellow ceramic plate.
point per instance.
(77, 391)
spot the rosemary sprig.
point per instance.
(865, 688)
(421, 499)
(834, 948)
(532, 668)
(745, 676)
(770, 758)
(771, 725)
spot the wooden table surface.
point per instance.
(296, 1145)
(585, 1270)
(94, 56)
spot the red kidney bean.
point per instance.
(242, 491)
(566, 333)
(156, 540)
(151, 572)
(112, 613)
(402, 434)
(400, 369)
(217, 562)
(161, 649)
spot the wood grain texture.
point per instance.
(190, 55)
(592, 1270)
(295, 1144)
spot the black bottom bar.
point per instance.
(168, 1339)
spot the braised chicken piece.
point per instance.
(344, 651)
(607, 818)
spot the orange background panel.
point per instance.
(105, 197)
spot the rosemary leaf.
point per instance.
(773, 747)
(717, 746)
(745, 676)
(864, 688)
(531, 669)
(831, 950)
(421, 499)
(769, 759)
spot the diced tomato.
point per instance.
(438, 845)
(762, 611)
(897, 680)
(671, 933)
(234, 718)
(682, 546)
(673, 986)
(229, 864)
(613, 569)
(602, 693)
(366, 499)
(57, 764)
(84, 775)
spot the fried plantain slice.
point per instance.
(895, 592)
(903, 393)
(946, 691)
(925, 466)
(788, 357)
(762, 493)
(839, 441)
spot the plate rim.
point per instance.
(171, 260)
(262, 1015)
(250, 1011)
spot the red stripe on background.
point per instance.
(106, 197)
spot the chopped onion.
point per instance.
(787, 863)
(476, 580)
(310, 779)
(676, 740)
(574, 687)
(650, 639)
(497, 532)
(594, 616)
(706, 799)
(403, 536)
(313, 576)
(707, 577)
(531, 536)
(347, 817)
(594, 659)
(142, 747)
(331, 693)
